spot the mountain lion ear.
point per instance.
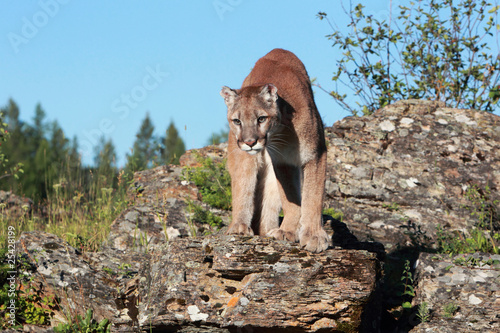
(269, 92)
(229, 96)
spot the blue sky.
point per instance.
(98, 67)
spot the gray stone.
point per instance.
(477, 303)
(424, 171)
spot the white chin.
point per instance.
(252, 152)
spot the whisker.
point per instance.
(274, 150)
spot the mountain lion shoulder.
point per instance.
(277, 153)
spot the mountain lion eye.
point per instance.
(261, 119)
(237, 122)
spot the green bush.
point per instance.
(213, 181)
(434, 49)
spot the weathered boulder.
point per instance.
(160, 209)
(256, 283)
(400, 172)
(191, 157)
(80, 281)
(462, 293)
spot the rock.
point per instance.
(462, 292)
(234, 283)
(81, 281)
(216, 153)
(160, 210)
(409, 166)
(219, 281)
(14, 206)
(161, 186)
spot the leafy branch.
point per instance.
(437, 50)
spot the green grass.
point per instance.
(477, 240)
(81, 215)
(85, 324)
(484, 235)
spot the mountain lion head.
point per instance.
(253, 114)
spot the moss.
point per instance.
(338, 215)
(203, 215)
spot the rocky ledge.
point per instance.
(216, 283)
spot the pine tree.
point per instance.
(34, 158)
(12, 149)
(105, 164)
(143, 151)
(46, 155)
(173, 146)
(218, 138)
(12, 115)
(39, 126)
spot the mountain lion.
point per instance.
(277, 153)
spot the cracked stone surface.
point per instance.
(462, 292)
(398, 173)
(232, 283)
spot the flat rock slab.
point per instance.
(251, 283)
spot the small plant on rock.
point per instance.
(423, 313)
(32, 305)
(484, 236)
(449, 310)
(213, 181)
(85, 324)
(338, 215)
(407, 285)
(203, 215)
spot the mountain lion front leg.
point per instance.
(269, 199)
(288, 177)
(312, 236)
(243, 170)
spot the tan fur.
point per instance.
(277, 153)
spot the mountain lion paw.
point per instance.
(314, 241)
(241, 229)
(280, 234)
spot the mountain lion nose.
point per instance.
(250, 142)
